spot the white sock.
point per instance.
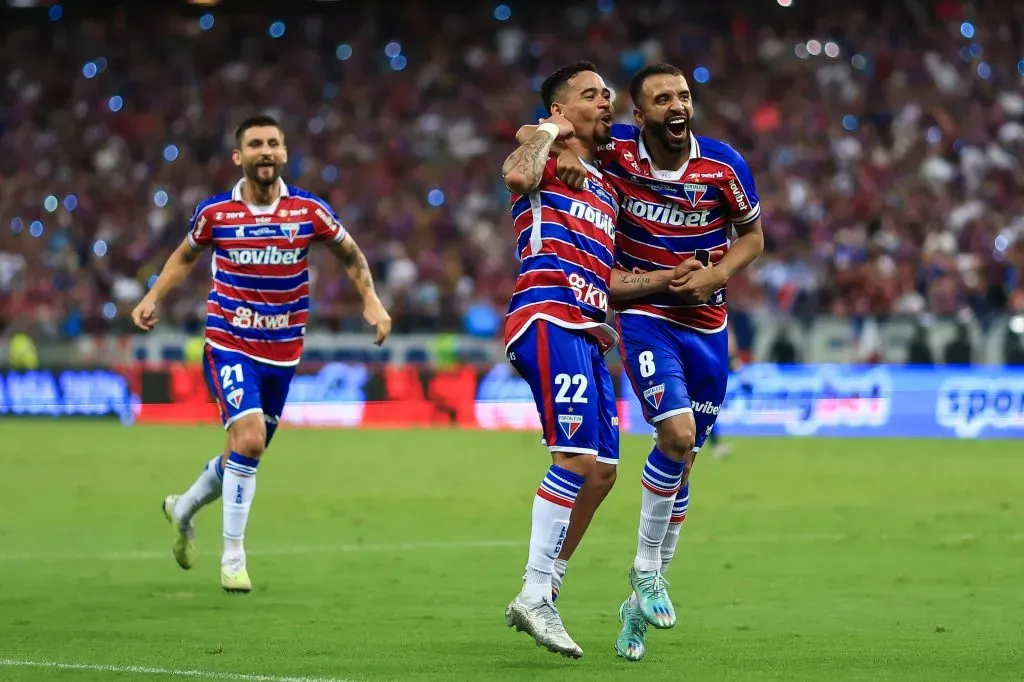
(552, 508)
(205, 490)
(660, 481)
(561, 566)
(675, 524)
(239, 489)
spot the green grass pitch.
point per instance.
(390, 555)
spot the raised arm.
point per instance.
(524, 167)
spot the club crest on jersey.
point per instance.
(694, 192)
(654, 394)
(570, 424)
(240, 232)
(235, 397)
(290, 230)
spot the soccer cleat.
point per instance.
(630, 643)
(651, 590)
(542, 622)
(234, 578)
(184, 545)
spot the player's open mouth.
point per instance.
(676, 127)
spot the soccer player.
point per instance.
(260, 233)
(680, 194)
(556, 331)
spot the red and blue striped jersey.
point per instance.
(666, 215)
(566, 243)
(259, 302)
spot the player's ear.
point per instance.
(638, 116)
(236, 156)
(556, 108)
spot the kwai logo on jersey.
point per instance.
(694, 192)
(235, 397)
(269, 255)
(805, 400)
(570, 424)
(601, 221)
(247, 318)
(667, 214)
(587, 293)
(290, 230)
(969, 405)
(654, 394)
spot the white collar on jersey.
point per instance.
(673, 175)
(236, 195)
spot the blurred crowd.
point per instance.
(886, 143)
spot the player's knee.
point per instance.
(676, 438)
(604, 476)
(249, 438)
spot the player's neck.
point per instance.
(585, 151)
(260, 195)
(665, 159)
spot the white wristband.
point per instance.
(549, 128)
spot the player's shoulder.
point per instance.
(625, 132)
(718, 150)
(221, 199)
(300, 194)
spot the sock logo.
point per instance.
(560, 540)
(654, 394)
(570, 424)
(235, 397)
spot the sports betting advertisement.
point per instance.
(762, 400)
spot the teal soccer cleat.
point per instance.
(651, 590)
(630, 643)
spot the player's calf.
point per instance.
(247, 439)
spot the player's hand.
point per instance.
(565, 129)
(694, 282)
(691, 265)
(144, 314)
(378, 318)
(570, 170)
(698, 286)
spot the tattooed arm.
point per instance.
(627, 285)
(524, 167)
(358, 271)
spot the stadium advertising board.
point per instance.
(68, 392)
(762, 400)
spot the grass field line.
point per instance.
(418, 546)
(167, 672)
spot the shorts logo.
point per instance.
(654, 394)
(235, 397)
(570, 424)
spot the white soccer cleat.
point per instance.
(542, 622)
(183, 545)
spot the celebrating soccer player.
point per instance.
(556, 331)
(256, 313)
(680, 193)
